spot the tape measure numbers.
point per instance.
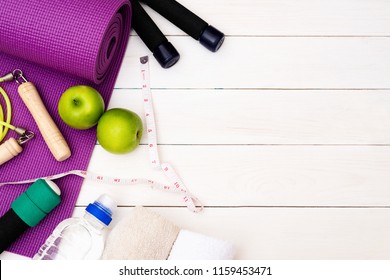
(152, 138)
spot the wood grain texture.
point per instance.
(283, 133)
(252, 175)
(261, 63)
(288, 233)
(53, 137)
(289, 18)
(265, 117)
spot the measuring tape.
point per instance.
(152, 137)
(177, 187)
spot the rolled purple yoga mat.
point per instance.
(57, 44)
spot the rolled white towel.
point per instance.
(195, 246)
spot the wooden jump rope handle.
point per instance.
(49, 130)
(9, 149)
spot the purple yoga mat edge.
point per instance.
(36, 161)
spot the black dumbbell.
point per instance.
(183, 18)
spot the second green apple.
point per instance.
(119, 130)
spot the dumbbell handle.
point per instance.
(9, 149)
(49, 130)
(146, 28)
(11, 227)
(151, 35)
(179, 16)
(189, 22)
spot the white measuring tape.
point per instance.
(188, 198)
(177, 186)
(149, 113)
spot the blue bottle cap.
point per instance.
(102, 209)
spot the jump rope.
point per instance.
(5, 124)
(11, 147)
(47, 127)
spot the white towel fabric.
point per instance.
(194, 246)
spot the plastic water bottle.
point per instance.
(80, 238)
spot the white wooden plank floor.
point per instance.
(284, 134)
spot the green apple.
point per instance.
(81, 107)
(119, 131)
